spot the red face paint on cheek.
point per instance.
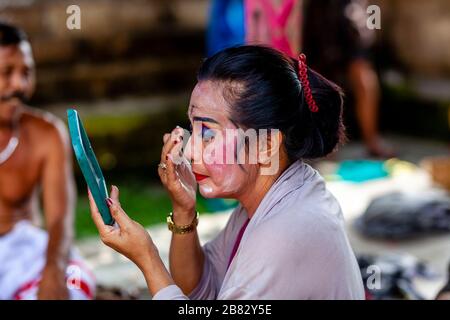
(226, 176)
(225, 179)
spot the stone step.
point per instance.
(111, 79)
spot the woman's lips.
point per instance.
(199, 177)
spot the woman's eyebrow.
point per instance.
(205, 119)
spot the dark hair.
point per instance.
(269, 95)
(11, 35)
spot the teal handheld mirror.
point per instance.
(89, 164)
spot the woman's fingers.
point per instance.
(116, 210)
(95, 214)
(168, 145)
(122, 219)
(115, 194)
(166, 137)
(162, 175)
(171, 174)
(173, 140)
(164, 158)
(172, 144)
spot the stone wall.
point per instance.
(149, 46)
(133, 47)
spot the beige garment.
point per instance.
(295, 247)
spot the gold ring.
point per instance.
(162, 165)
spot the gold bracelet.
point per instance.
(187, 228)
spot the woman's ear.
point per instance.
(269, 146)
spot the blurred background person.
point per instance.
(275, 23)
(225, 26)
(292, 26)
(338, 44)
(34, 156)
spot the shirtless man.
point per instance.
(35, 159)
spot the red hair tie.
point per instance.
(302, 71)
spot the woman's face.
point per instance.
(214, 155)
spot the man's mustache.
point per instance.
(15, 95)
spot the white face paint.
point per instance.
(205, 189)
(209, 115)
(223, 168)
(223, 181)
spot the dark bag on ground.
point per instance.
(406, 215)
(396, 274)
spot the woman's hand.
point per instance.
(130, 239)
(178, 178)
(127, 236)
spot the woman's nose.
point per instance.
(190, 151)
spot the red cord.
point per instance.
(302, 71)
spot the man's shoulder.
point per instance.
(44, 126)
(42, 122)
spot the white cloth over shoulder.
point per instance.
(294, 247)
(23, 253)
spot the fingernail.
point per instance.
(109, 202)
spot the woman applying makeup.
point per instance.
(286, 239)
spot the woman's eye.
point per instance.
(207, 134)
